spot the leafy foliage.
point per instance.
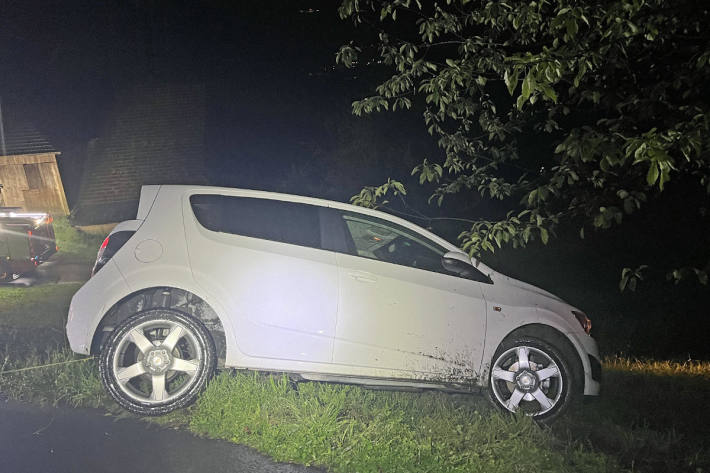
(564, 111)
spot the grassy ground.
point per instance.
(650, 417)
(44, 306)
(75, 245)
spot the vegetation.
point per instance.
(565, 112)
(75, 383)
(30, 307)
(349, 428)
(74, 244)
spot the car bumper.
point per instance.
(589, 354)
(89, 305)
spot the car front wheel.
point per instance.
(533, 377)
(157, 361)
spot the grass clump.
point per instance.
(349, 428)
(76, 384)
(74, 244)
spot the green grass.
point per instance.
(75, 245)
(650, 417)
(349, 428)
(76, 384)
(44, 306)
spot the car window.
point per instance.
(381, 240)
(286, 222)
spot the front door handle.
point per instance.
(362, 276)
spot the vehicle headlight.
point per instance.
(583, 321)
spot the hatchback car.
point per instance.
(321, 290)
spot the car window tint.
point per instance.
(287, 222)
(378, 239)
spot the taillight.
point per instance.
(30, 245)
(109, 247)
(583, 321)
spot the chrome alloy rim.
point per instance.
(157, 361)
(526, 378)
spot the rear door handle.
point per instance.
(362, 276)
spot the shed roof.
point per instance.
(18, 136)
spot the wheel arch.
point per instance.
(162, 297)
(554, 336)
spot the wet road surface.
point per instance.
(62, 440)
(54, 271)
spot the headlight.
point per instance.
(583, 321)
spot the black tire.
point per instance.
(522, 389)
(193, 348)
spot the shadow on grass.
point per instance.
(650, 417)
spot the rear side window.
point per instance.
(286, 222)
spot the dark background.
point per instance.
(278, 118)
(278, 107)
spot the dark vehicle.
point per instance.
(26, 240)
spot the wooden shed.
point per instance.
(28, 170)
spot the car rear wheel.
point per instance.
(533, 377)
(157, 361)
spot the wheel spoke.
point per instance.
(523, 362)
(514, 400)
(545, 402)
(129, 372)
(548, 372)
(505, 375)
(159, 393)
(188, 366)
(141, 341)
(172, 338)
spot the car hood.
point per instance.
(502, 279)
(527, 287)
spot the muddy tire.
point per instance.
(157, 361)
(534, 377)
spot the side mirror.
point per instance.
(456, 262)
(460, 264)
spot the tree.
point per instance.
(563, 110)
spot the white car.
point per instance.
(322, 290)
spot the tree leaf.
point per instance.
(544, 235)
(511, 80)
(527, 87)
(652, 174)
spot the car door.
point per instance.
(400, 312)
(262, 259)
